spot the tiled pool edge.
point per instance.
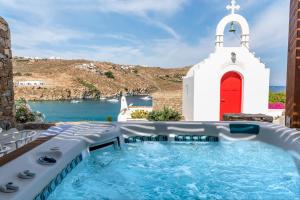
(177, 138)
(58, 179)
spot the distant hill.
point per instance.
(77, 79)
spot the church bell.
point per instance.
(232, 28)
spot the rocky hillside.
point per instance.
(77, 79)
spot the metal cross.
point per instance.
(233, 6)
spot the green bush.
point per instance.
(91, 87)
(167, 114)
(135, 71)
(109, 118)
(88, 85)
(139, 114)
(25, 114)
(277, 97)
(109, 74)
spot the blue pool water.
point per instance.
(241, 170)
(65, 111)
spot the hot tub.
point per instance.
(203, 160)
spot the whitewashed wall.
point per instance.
(205, 105)
(188, 98)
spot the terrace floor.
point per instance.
(8, 138)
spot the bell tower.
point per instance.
(230, 80)
(233, 18)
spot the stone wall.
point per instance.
(170, 99)
(248, 117)
(7, 108)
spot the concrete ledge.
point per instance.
(71, 142)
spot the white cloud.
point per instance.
(161, 25)
(164, 52)
(141, 7)
(173, 52)
(120, 6)
(46, 9)
(269, 38)
(270, 28)
(253, 3)
(40, 10)
(120, 37)
(31, 36)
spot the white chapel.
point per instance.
(230, 80)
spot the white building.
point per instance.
(86, 66)
(30, 83)
(231, 80)
(54, 58)
(126, 67)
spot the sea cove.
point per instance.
(92, 110)
(86, 110)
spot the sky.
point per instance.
(165, 33)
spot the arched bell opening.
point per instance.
(234, 21)
(232, 35)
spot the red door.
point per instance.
(231, 94)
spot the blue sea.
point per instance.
(89, 110)
(65, 111)
(276, 89)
